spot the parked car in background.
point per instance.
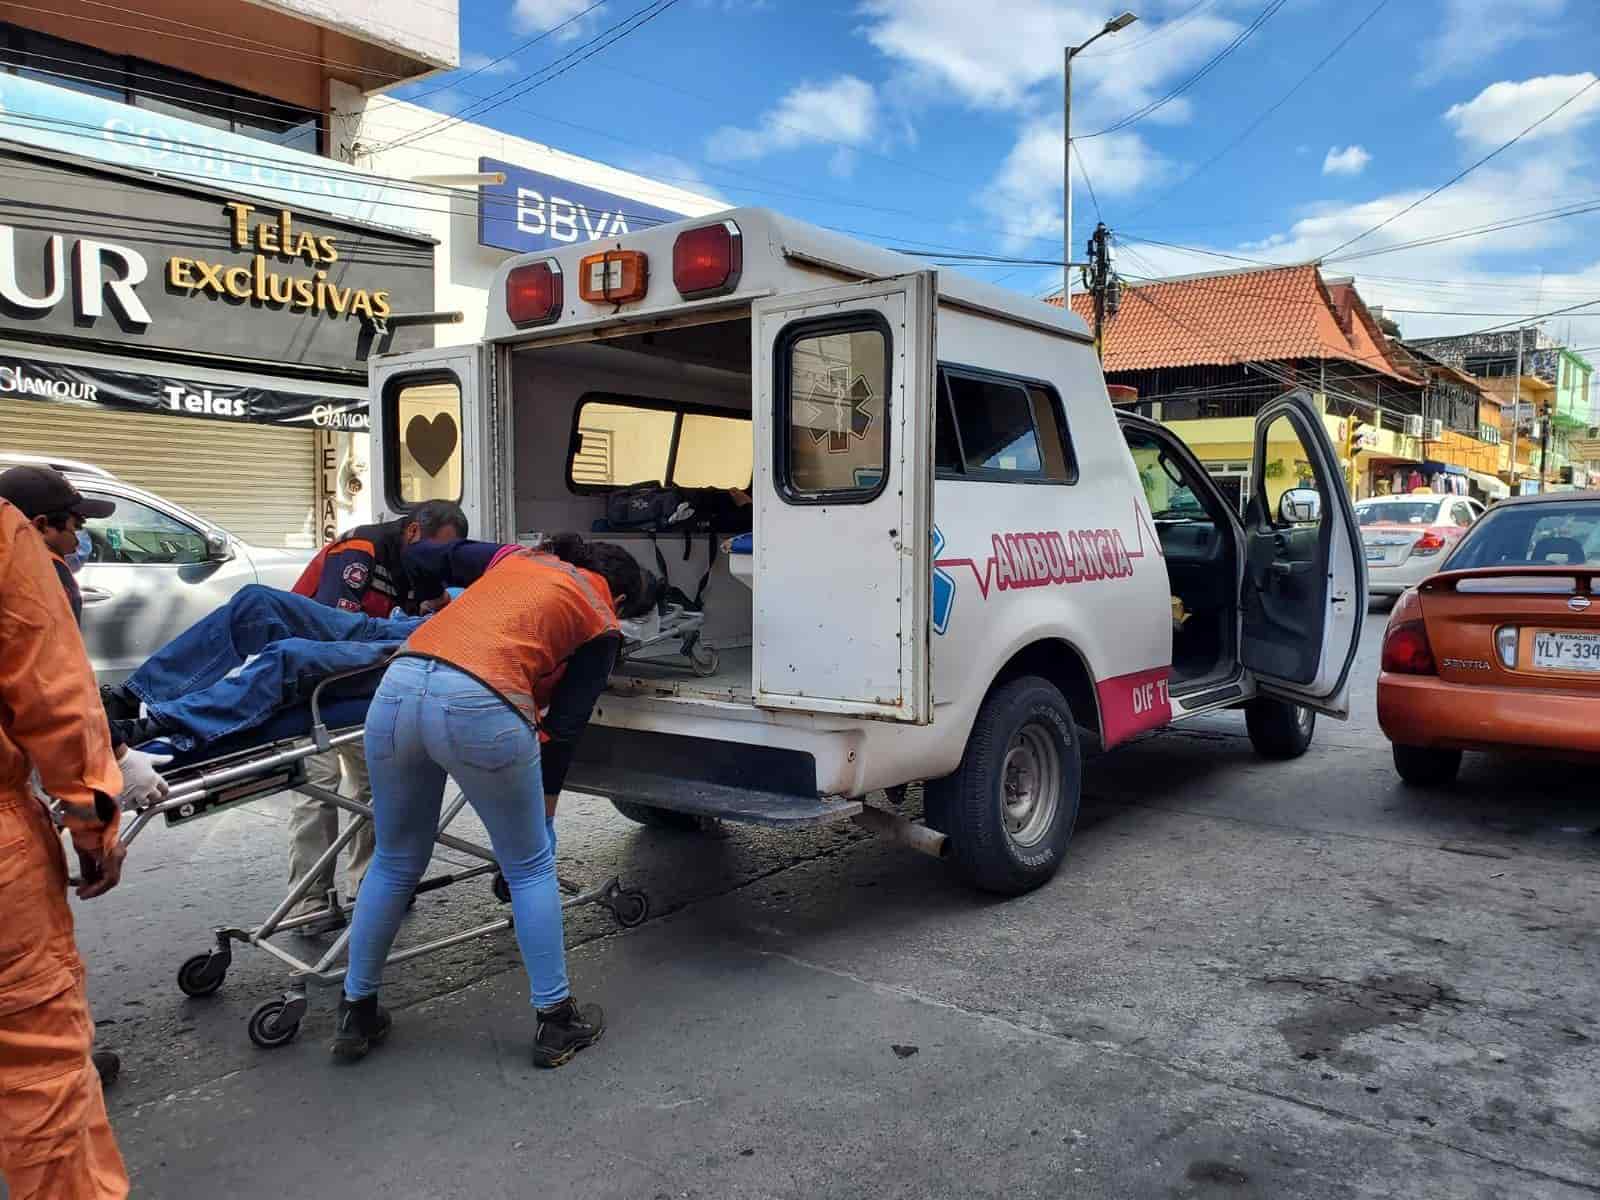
(1406, 537)
(1501, 649)
(156, 568)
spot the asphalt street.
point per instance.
(1251, 979)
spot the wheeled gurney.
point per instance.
(273, 759)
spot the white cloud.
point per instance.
(1503, 110)
(1352, 160)
(533, 16)
(486, 66)
(1472, 32)
(843, 110)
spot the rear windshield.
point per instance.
(1542, 535)
(1397, 512)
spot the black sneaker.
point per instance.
(136, 731)
(120, 704)
(564, 1030)
(362, 1025)
(108, 1064)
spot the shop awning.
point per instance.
(1494, 488)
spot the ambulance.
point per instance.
(962, 564)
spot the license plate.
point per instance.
(1566, 651)
(1376, 554)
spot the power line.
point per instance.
(494, 62)
(1210, 65)
(1084, 168)
(1273, 108)
(1167, 27)
(1462, 174)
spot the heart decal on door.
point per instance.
(431, 441)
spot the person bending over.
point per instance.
(459, 702)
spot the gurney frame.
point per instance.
(280, 767)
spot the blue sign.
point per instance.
(535, 211)
(59, 119)
(944, 588)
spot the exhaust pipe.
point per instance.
(907, 833)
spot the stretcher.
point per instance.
(273, 759)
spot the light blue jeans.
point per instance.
(429, 721)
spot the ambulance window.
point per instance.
(832, 418)
(422, 423)
(1010, 430)
(624, 440)
(713, 452)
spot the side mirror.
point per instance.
(1300, 506)
(218, 548)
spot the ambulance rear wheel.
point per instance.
(658, 818)
(1010, 808)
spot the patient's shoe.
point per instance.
(136, 731)
(362, 1025)
(120, 704)
(564, 1030)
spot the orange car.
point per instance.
(1501, 649)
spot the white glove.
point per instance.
(142, 784)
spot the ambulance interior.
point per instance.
(668, 407)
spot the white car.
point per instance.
(1406, 538)
(156, 568)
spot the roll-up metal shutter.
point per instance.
(256, 481)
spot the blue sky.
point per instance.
(937, 123)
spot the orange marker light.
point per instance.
(614, 277)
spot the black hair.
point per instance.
(436, 514)
(59, 520)
(621, 571)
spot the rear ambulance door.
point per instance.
(430, 420)
(844, 499)
(1304, 591)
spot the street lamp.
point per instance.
(1115, 25)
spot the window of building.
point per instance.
(1004, 429)
(145, 84)
(624, 440)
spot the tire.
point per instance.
(1279, 729)
(1010, 808)
(202, 974)
(658, 818)
(630, 909)
(1423, 766)
(265, 1029)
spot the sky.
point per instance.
(936, 125)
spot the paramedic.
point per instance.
(55, 1139)
(459, 701)
(360, 572)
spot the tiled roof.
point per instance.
(1269, 314)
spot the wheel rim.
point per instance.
(1031, 784)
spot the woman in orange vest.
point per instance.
(459, 701)
(55, 1141)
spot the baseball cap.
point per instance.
(41, 490)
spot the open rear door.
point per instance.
(429, 425)
(844, 499)
(1304, 591)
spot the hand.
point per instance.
(142, 784)
(101, 871)
(739, 496)
(429, 607)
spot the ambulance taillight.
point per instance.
(534, 293)
(707, 261)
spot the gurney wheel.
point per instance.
(630, 908)
(703, 659)
(202, 974)
(267, 1031)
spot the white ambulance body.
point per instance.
(964, 559)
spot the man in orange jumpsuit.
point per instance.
(55, 1139)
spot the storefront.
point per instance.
(209, 347)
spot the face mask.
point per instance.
(82, 554)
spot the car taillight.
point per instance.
(533, 293)
(707, 261)
(1431, 542)
(1406, 650)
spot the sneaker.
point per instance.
(330, 923)
(362, 1025)
(136, 731)
(109, 1065)
(564, 1030)
(120, 704)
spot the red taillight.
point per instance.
(1431, 542)
(1406, 650)
(707, 261)
(533, 293)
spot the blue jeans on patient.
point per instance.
(195, 687)
(429, 721)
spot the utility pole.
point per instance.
(1115, 25)
(1516, 413)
